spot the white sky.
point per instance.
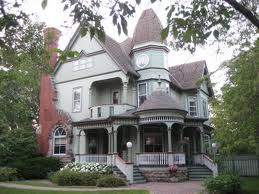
(54, 16)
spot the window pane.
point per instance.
(99, 113)
(111, 110)
(142, 99)
(115, 97)
(77, 106)
(62, 149)
(142, 89)
(56, 149)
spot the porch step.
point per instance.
(198, 173)
(118, 173)
(138, 177)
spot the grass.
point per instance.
(35, 183)
(250, 185)
(21, 191)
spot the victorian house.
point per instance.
(115, 93)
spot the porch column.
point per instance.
(201, 140)
(169, 134)
(109, 130)
(138, 139)
(90, 96)
(194, 141)
(115, 127)
(86, 143)
(181, 139)
(124, 92)
(210, 146)
(82, 149)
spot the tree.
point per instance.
(25, 58)
(191, 23)
(236, 111)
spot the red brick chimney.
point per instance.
(51, 38)
(48, 114)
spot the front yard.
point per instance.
(20, 191)
(250, 185)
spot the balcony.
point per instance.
(106, 110)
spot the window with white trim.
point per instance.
(77, 96)
(83, 63)
(192, 103)
(59, 141)
(205, 108)
(99, 112)
(142, 93)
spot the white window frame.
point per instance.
(83, 63)
(80, 100)
(111, 110)
(146, 94)
(59, 137)
(193, 99)
(99, 115)
(205, 108)
(119, 95)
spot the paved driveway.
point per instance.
(189, 187)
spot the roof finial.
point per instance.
(159, 82)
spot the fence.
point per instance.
(244, 165)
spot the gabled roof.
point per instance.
(189, 75)
(148, 28)
(160, 100)
(113, 48)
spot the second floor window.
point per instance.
(77, 92)
(111, 110)
(99, 112)
(115, 97)
(205, 108)
(142, 93)
(192, 102)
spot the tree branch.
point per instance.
(244, 11)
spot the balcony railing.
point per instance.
(106, 110)
(95, 158)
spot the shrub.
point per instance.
(68, 177)
(8, 174)
(37, 168)
(224, 184)
(110, 181)
(89, 167)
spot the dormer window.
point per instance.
(192, 102)
(82, 63)
(142, 93)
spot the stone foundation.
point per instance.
(162, 174)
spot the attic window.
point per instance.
(82, 63)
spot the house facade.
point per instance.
(115, 93)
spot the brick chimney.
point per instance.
(51, 38)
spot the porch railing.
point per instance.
(207, 161)
(158, 159)
(125, 168)
(95, 158)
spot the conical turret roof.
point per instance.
(148, 28)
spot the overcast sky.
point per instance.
(54, 16)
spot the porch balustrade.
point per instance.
(203, 159)
(160, 159)
(95, 158)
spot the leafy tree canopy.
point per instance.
(189, 22)
(236, 111)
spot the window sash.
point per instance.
(84, 63)
(192, 103)
(205, 110)
(77, 96)
(99, 112)
(142, 95)
(111, 109)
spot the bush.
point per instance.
(89, 167)
(37, 168)
(110, 181)
(224, 184)
(8, 174)
(74, 178)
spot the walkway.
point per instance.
(190, 187)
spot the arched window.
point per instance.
(60, 141)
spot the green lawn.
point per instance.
(19, 191)
(250, 185)
(35, 183)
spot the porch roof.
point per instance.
(160, 100)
